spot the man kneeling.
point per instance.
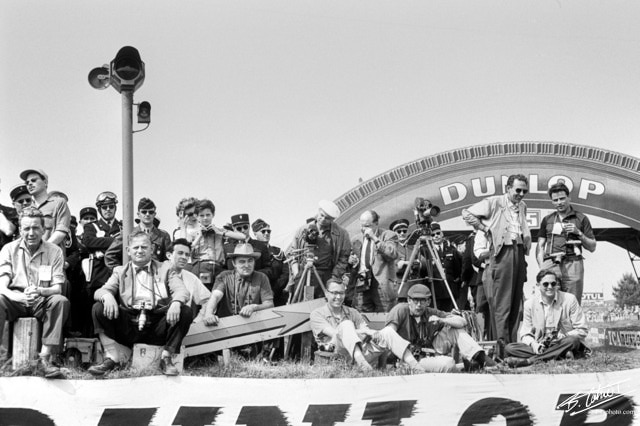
(433, 333)
(343, 330)
(142, 302)
(554, 326)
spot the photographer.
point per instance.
(563, 235)
(142, 302)
(554, 326)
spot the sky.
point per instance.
(267, 107)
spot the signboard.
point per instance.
(624, 338)
(414, 400)
(238, 331)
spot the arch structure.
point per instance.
(602, 183)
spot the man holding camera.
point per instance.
(373, 266)
(554, 325)
(433, 334)
(143, 301)
(503, 218)
(324, 241)
(563, 235)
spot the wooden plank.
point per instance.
(26, 341)
(238, 331)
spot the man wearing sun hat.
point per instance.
(55, 210)
(242, 291)
(240, 224)
(329, 242)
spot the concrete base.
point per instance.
(148, 356)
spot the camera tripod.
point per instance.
(425, 241)
(305, 279)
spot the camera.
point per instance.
(143, 306)
(555, 257)
(311, 234)
(550, 339)
(425, 211)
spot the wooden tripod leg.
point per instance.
(443, 275)
(412, 258)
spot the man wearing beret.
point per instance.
(434, 333)
(327, 241)
(280, 270)
(147, 223)
(373, 265)
(56, 213)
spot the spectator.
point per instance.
(8, 219)
(554, 326)
(240, 223)
(178, 254)
(188, 226)
(280, 270)
(31, 279)
(142, 302)
(451, 262)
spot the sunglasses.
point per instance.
(266, 231)
(521, 191)
(108, 206)
(402, 231)
(24, 201)
(189, 214)
(548, 284)
(241, 227)
(149, 212)
(437, 232)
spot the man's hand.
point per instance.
(30, 295)
(110, 306)
(211, 319)
(436, 319)
(246, 311)
(173, 314)
(353, 259)
(537, 347)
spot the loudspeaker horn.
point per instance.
(99, 77)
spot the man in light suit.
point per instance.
(142, 302)
(554, 326)
(373, 265)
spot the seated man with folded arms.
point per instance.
(178, 254)
(554, 326)
(433, 333)
(342, 329)
(142, 302)
(31, 278)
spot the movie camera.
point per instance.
(424, 212)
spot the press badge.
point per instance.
(44, 273)
(557, 228)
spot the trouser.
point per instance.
(347, 338)
(482, 307)
(444, 343)
(52, 311)
(571, 272)
(156, 331)
(372, 299)
(557, 350)
(504, 280)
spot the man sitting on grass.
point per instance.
(342, 329)
(142, 302)
(554, 326)
(434, 334)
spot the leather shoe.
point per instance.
(569, 355)
(515, 362)
(47, 369)
(167, 367)
(101, 369)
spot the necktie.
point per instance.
(367, 254)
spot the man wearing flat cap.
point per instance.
(20, 198)
(329, 243)
(280, 270)
(434, 333)
(242, 291)
(240, 224)
(56, 213)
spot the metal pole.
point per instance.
(127, 170)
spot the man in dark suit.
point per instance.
(143, 301)
(373, 265)
(451, 262)
(280, 270)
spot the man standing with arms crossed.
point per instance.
(503, 219)
(563, 235)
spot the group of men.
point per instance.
(54, 269)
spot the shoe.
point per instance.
(167, 367)
(47, 369)
(569, 356)
(515, 362)
(101, 369)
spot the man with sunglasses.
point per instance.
(280, 270)
(451, 262)
(503, 219)
(563, 235)
(55, 210)
(401, 228)
(554, 325)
